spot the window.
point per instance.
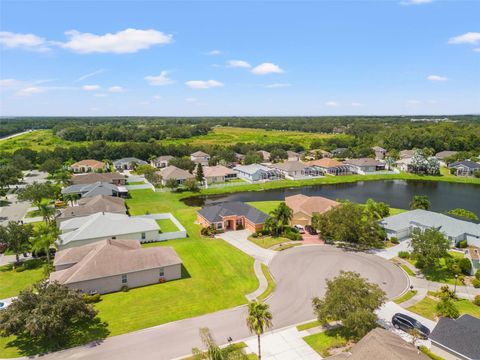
(162, 272)
(124, 278)
(114, 237)
(219, 225)
(143, 236)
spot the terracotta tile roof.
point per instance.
(325, 163)
(91, 178)
(172, 172)
(364, 162)
(309, 204)
(95, 164)
(218, 170)
(91, 205)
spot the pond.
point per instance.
(397, 193)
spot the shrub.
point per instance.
(403, 254)
(462, 244)
(20, 269)
(394, 240)
(465, 266)
(240, 227)
(255, 235)
(476, 283)
(476, 301)
(431, 355)
(477, 274)
(124, 288)
(3, 247)
(91, 299)
(446, 307)
(208, 231)
(461, 279)
(292, 234)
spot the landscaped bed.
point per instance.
(325, 341)
(267, 241)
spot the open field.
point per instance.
(36, 140)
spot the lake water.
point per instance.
(397, 193)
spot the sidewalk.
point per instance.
(262, 281)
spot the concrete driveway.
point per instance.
(391, 252)
(239, 239)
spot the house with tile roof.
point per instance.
(91, 205)
(128, 163)
(265, 155)
(88, 165)
(199, 157)
(108, 265)
(293, 156)
(90, 178)
(304, 207)
(98, 188)
(232, 215)
(331, 166)
(100, 226)
(218, 174)
(177, 174)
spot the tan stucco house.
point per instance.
(88, 165)
(304, 207)
(108, 265)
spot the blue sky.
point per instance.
(239, 58)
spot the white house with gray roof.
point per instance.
(128, 163)
(100, 226)
(257, 172)
(402, 225)
(97, 188)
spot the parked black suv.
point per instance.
(407, 324)
(309, 229)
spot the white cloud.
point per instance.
(90, 87)
(122, 42)
(436, 78)
(8, 83)
(416, 2)
(100, 95)
(23, 41)
(86, 76)
(238, 64)
(159, 80)
(203, 84)
(29, 91)
(476, 49)
(115, 89)
(214, 52)
(467, 38)
(332, 104)
(267, 68)
(277, 85)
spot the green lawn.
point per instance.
(267, 241)
(440, 273)
(36, 140)
(266, 206)
(167, 225)
(427, 307)
(136, 183)
(308, 325)
(13, 282)
(407, 296)
(270, 281)
(324, 341)
(407, 270)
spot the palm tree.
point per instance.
(215, 352)
(258, 320)
(70, 198)
(420, 202)
(62, 177)
(46, 211)
(282, 215)
(44, 236)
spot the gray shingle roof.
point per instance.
(467, 163)
(128, 160)
(89, 190)
(215, 213)
(461, 335)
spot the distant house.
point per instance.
(98, 188)
(297, 170)
(161, 161)
(304, 207)
(265, 155)
(338, 152)
(101, 226)
(379, 152)
(108, 265)
(200, 157)
(239, 158)
(364, 165)
(380, 344)
(402, 225)
(317, 153)
(232, 216)
(293, 156)
(89, 165)
(331, 166)
(128, 163)
(172, 172)
(256, 172)
(465, 168)
(405, 154)
(404, 164)
(218, 173)
(90, 178)
(457, 338)
(443, 155)
(91, 205)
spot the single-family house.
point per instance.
(364, 165)
(304, 207)
(317, 154)
(109, 265)
(218, 173)
(91, 205)
(128, 163)
(339, 152)
(265, 155)
(442, 156)
(100, 226)
(232, 215)
(161, 161)
(465, 168)
(297, 170)
(404, 164)
(473, 254)
(293, 156)
(239, 158)
(199, 157)
(257, 172)
(381, 344)
(454, 339)
(172, 172)
(402, 225)
(88, 165)
(98, 188)
(90, 178)
(405, 154)
(380, 152)
(331, 166)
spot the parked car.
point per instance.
(309, 229)
(299, 228)
(407, 324)
(3, 305)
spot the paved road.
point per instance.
(300, 274)
(14, 211)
